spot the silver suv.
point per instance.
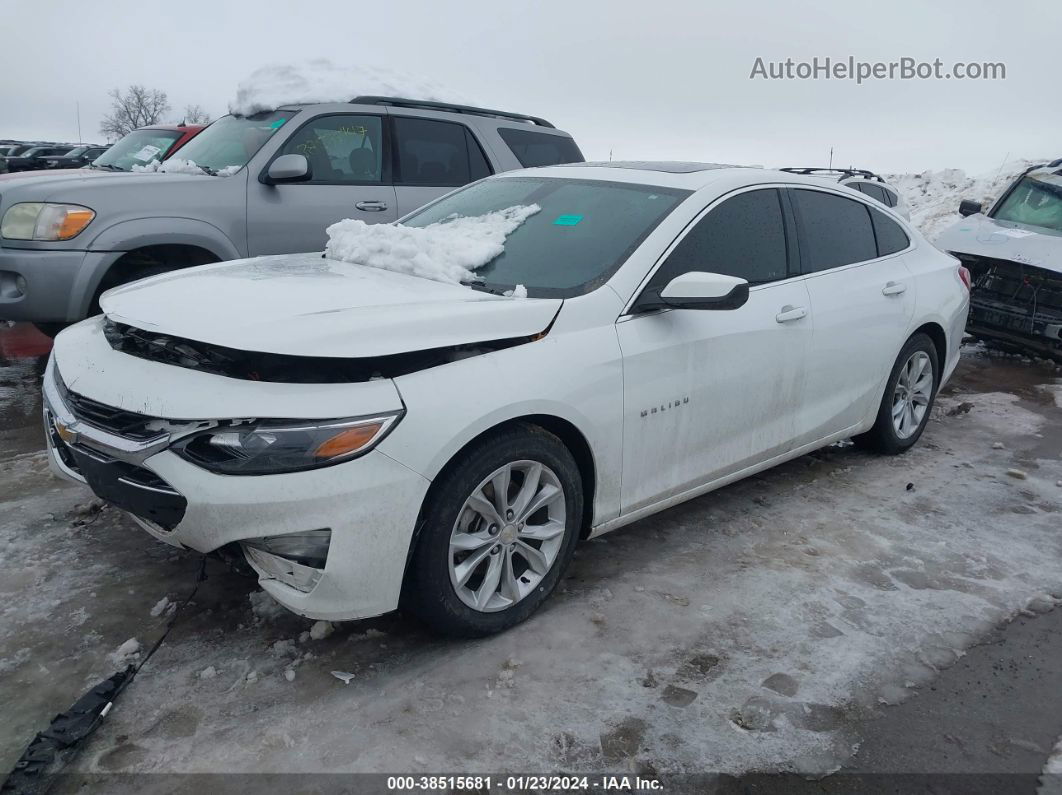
(866, 182)
(248, 185)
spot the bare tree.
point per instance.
(137, 107)
(195, 114)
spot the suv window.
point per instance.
(890, 197)
(890, 235)
(873, 191)
(744, 236)
(835, 231)
(540, 149)
(341, 149)
(437, 153)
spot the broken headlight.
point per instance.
(275, 446)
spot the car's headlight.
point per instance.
(45, 221)
(274, 446)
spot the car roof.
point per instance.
(683, 175)
(1050, 173)
(174, 127)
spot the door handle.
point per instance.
(893, 288)
(371, 206)
(790, 313)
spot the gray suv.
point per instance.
(263, 184)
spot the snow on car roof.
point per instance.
(320, 81)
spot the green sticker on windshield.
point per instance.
(567, 220)
(277, 124)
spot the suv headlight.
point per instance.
(45, 221)
(275, 446)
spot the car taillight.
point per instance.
(964, 274)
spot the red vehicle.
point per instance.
(138, 148)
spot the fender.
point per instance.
(129, 235)
(112, 242)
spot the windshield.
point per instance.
(1033, 202)
(233, 140)
(138, 148)
(583, 232)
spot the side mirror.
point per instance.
(289, 168)
(698, 290)
(969, 207)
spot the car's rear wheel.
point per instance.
(498, 531)
(908, 399)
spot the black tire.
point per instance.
(883, 438)
(428, 590)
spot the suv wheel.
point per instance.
(498, 532)
(908, 399)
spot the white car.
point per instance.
(863, 181)
(367, 438)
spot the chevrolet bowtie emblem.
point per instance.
(65, 433)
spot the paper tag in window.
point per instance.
(148, 152)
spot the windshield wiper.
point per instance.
(108, 166)
(479, 284)
(211, 171)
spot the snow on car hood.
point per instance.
(306, 305)
(986, 237)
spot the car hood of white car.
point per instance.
(986, 237)
(307, 305)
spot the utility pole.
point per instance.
(831, 157)
(78, 106)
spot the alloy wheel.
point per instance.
(910, 399)
(507, 536)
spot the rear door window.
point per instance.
(540, 149)
(437, 153)
(834, 230)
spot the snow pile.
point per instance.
(175, 166)
(446, 251)
(320, 80)
(934, 196)
(180, 166)
(127, 654)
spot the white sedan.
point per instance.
(365, 438)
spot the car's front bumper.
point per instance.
(370, 505)
(48, 285)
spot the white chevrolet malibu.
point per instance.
(640, 334)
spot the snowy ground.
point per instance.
(751, 629)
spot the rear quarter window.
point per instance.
(890, 235)
(540, 149)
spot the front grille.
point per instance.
(108, 418)
(1035, 293)
(130, 487)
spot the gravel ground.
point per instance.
(759, 628)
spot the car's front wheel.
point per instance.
(497, 533)
(908, 399)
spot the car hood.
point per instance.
(985, 237)
(46, 184)
(53, 174)
(307, 305)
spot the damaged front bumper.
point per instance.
(368, 505)
(1015, 303)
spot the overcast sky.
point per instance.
(667, 79)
